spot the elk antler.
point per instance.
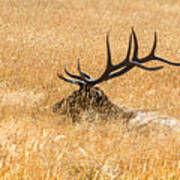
(85, 80)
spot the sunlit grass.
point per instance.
(37, 37)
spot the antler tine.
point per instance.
(77, 79)
(146, 67)
(83, 74)
(71, 75)
(136, 47)
(77, 76)
(151, 55)
(166, 61)
(154, 44)
(109, 66)
(109, 63)
(78, 82)
(129, 47)
(126, 61)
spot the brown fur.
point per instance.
(92, 104)
(93, 101)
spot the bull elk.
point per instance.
(90, 98)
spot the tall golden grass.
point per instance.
(37, 37)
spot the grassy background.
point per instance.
(37, 37)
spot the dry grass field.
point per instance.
(37, 37)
